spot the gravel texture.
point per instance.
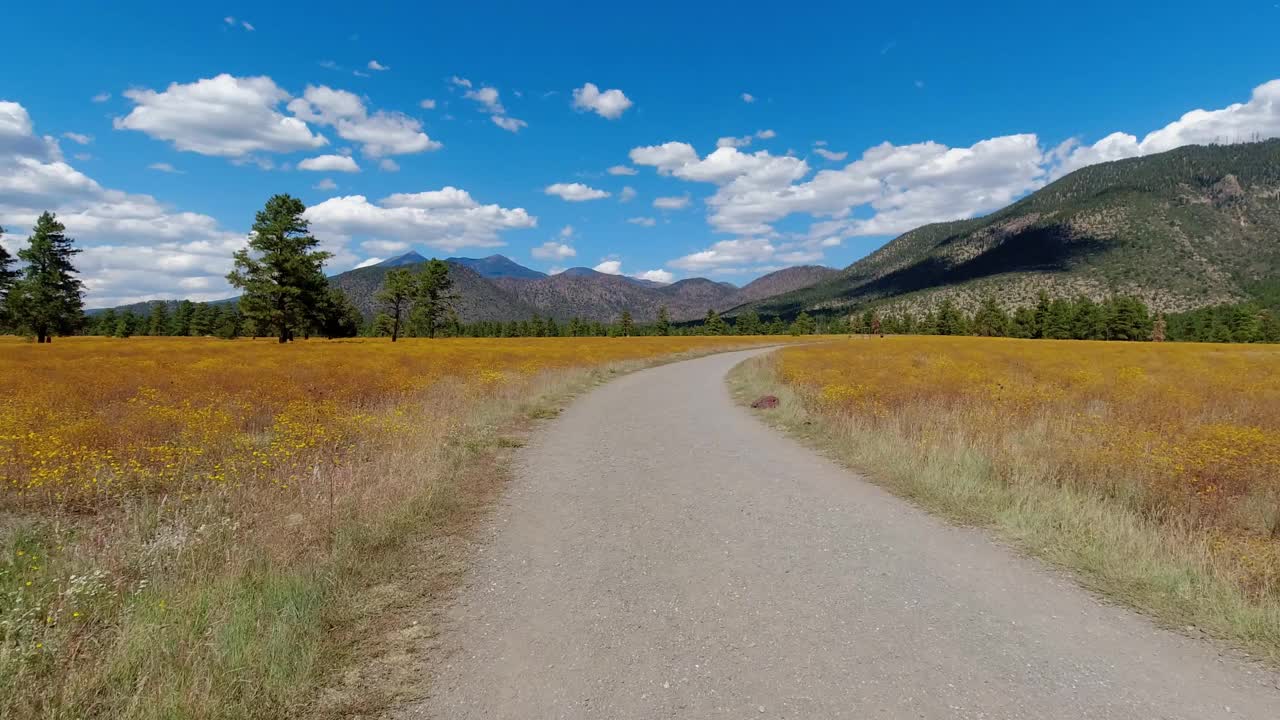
(662, 553)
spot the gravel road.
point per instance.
(661, 553)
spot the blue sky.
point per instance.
(767, 135)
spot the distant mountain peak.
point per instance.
(498, 266)
(409, 258)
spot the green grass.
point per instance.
(1161, 569)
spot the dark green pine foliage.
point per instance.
(48, 298)
(433, 298)
(714, 324)
(663, 326)
(281, 273)
(159, 319)
(804, 325)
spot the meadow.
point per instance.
(202, 528)
(1152, 470)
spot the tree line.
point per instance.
(285, 294)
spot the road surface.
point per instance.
(663, 554)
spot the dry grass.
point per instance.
(208, 529)
(1153, 469)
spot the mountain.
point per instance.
(495, 266)
(478, 298)
(1192, 227)
(409, 258)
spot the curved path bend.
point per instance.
(661, 553)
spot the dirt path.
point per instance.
(661, 553)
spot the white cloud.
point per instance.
(488, 99)
(460, 82)
(1257, 119)
(326, 184)
(379, 134)
(101, 97)
(448, 219)
(678, 202)
(232, 22)
(369, 262)
(627, 194)
(135, 247)
(329, 163)
(566, 231)
(427, 104)
(748, 98)
(163, 167)
(734, 142)
(608, 104)
(388, 165)
(660, 276)
(643, 221)
(375, 65)
(575, 192)
(552, 250)
(743, 251)
(766, 134)
(223, 116)
(665, 157)
(509, 124)
(609, 267)
(78, 138)
(831, 155)
(622, 170)
(384, 247)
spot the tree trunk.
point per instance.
(284, 335)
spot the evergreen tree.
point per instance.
(625, 326)
(181, 325)
(383, 325)
(553, 330)
(1057, 324)
(399, 288)
(1268, 327)
(1127, 319)
(48, 298)
(124, 325)
(1041, 314)
(748, 323)
(202, 320)
(949, 319)
(990, 320)
(1023, 324)
(713, 324)
(158, 324)
(338, 317)
(433, 297)
(803, 325)
(777, 326)
(663, 326)
(7, 276)
(105, 323)
(1087, 320)
(281, 273)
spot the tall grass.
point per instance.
(1039, 441)
(260, 574)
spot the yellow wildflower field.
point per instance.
(94, 418)
(1186, 434)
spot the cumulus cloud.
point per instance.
(375, 65)
(1257, 119)
(659, 276)
(329, 163)
(608, 104)
(448, 219)
(665, 157)
(575, 192)
(609, 267)
(627, 194)
(223, 116)
(326, 184)
(427, 104)
(766, 134)
(830, 154)
(739, 252)
(388, 165)
(488, 99)
(622, 170)
(379, 133)
(748, 98)
(642, 221)
(78, 138)
(135, 247)
(369, 262)
(552, 250)
(509, 124)
(678, 202)
(101, 97)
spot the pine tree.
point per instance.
(1087, 320)
(433, 297)
(625, 326)
(158, 324)
(181, 325)
(714, 324)
(663, 326)
(748, 323)
(280, 272)
(48, 298)
(949, 319)
(7, 276)
(990, 320)
(1041, 314)
(399, 288)
(202, 320)
(803, 325)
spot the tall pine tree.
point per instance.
(48, 299)
(280, 272)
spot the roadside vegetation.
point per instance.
(1152, 470)
(206, 529)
